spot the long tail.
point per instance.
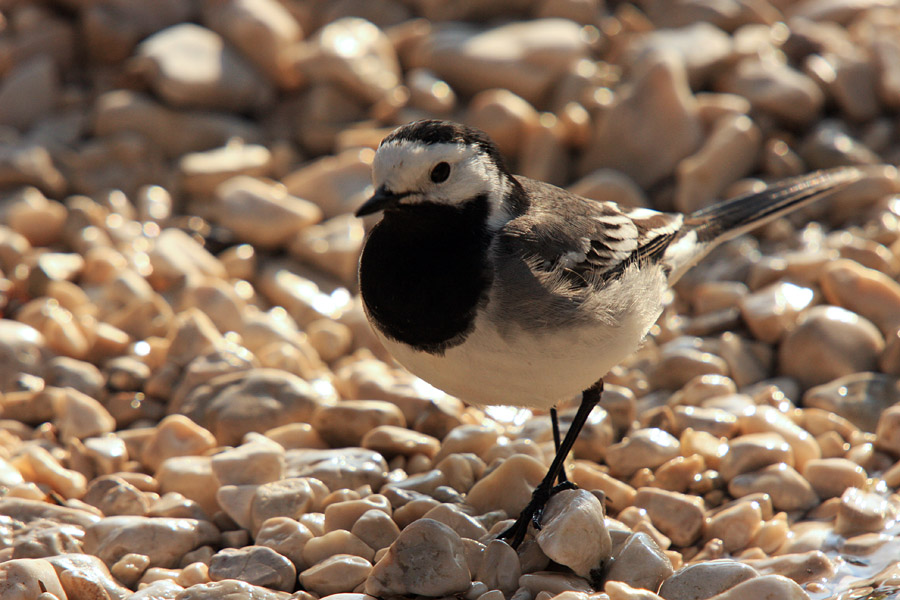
(706, 228)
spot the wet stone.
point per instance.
(705, 580)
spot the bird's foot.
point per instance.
(533, 512)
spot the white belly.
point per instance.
(534, 368)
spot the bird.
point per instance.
(503, 290)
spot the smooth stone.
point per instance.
(343, 515)
(835, 341)
(113, 537)
(678, 364)
(763, 418)
(391, 441)
(83, 575)
(774, 88)
(339, 468)
(347, 422)
(115, 496)
(830, 144)
(575, 515)
(80, 416)
(657, 104)
(261, 213)
(376, 528)
(336, 575)
(504, 116)
(706, 579)
(291, 497)
(43, 467)
(644, 448)
(788, 489)
(177, 257)
(203, 173)
(764, 586)
(754, 451)
(230, 588)
(27, 578)
(508, 487)
(176, 435)
(800, 567)
(773, 310)
(191, 67)
(456, 519)
(285, 536)
(735, 525)
(861, 398)
(715, 421)
(619, 590)
(862, 512)
(499, 567)
(619, 495)
(232, 405)
(679, 516)
(426, 559)
(610, 185)
(728, 154)
(337, 184)
(251, 463)
(257, 565)
(475, 439)
(334, 247)
(552, 582)
(701, 46)
(28, 510)
(829, 477)
(63, 372)
(640, 563)
(865, 291)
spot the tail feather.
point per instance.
(708, 227)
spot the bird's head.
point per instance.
(439, 162)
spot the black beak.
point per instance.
(379, 201)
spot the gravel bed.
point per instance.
(193, 405)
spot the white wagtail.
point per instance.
(499, 289)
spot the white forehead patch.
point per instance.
(404, 166)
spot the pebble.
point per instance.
(336, 184)
(111, 538)
(202, 173)
(800, 567)
(499, 567)
(575, 515)
(771, 586)
(40, 466)
(508, 487)
(391, 441)
(657, 105)
(250, 207)
(257, 565)
(504, 116)
(706, 579)
(735, 526)
(285, 536)
(618, 590)
(644, 448)
(788, 489)
(861, 398)
(79, 416)
(862, 512)
(334, 247)
(776, 89)
(772, 311)
(610, 185)
(115, 496)
(829, 477)
(426, 559)
(640, 563)
(679, 516)
(339, 468)
(251, 463)
(376, 529)
(345, 423)
(230, 588)
(176, 435)
(290, 497)
(27, 578)
(834, 341)
(337, 574)
(754, 451)
(186, 65)
(865, 291)
(452, 516)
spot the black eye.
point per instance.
(440, 172)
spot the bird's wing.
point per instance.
(584, 242)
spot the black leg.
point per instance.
(535, 509)
(554, 420)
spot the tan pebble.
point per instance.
(680, 517)
(735, 526)
(376, 528)
(802, 568)
(336, 574)
(575, 515)
(640, 563)
(130, 568)
(770, 312)
(610, 185)
(555, 583)
(337, 184)
(343, 515)
(728, 153)
(769, 419)
(331, 339)
(26, 578)
(203, 172)
(391, 441)
(710, 447)
(114, 496)
(345, 423)
(429, 93)
(499, 567)
(829, 342)
(314, 521)
(59, 327)
(504, 116)
(679, 364)
(644, 448)
(718, 422)
(176, 435)
(476, 439)
(335, 542)
(619, 495)
(413, 511)
(257, 565)
(754, 451)
(888, 430)
(460, 522)
(114, 537)
(435, 549)
(829, 477)
(864, 291)
(788, 489)
(678, 474)
(772, 534)
(252, 463)
(508, 487)
(80, 416)
(296, 435)
(862, 512)
(703, 580)
(543, 155)
(193, 574)
(287, 537)
(191, 476)
(619, 590)
(236, 501)
(293, 497)
(40, 466)
(36, 218)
